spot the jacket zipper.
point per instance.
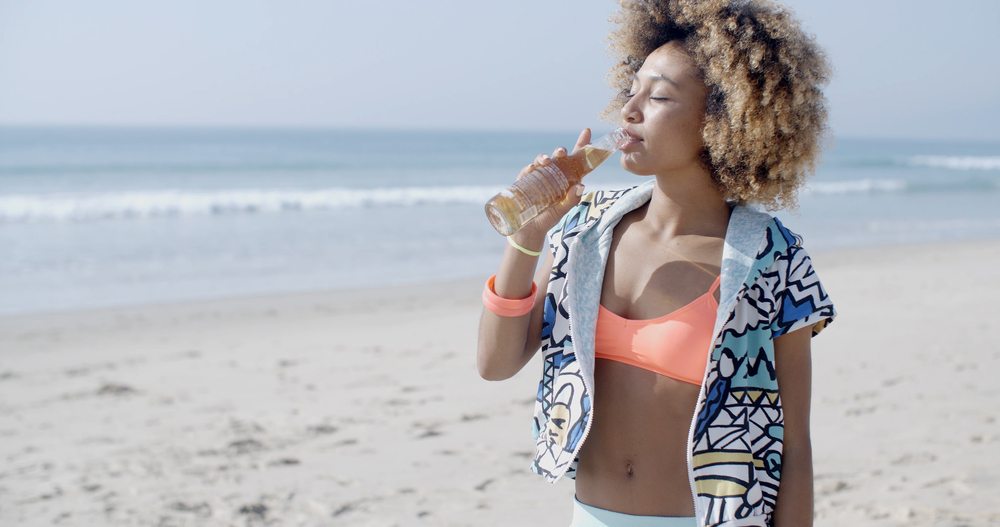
(586, 429)
(689, 455)
(586, 385)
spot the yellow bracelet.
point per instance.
(529, 252)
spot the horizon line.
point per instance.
(595, 131)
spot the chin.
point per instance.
(636, 168)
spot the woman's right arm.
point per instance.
(506, 344)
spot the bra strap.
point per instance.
(715, 284)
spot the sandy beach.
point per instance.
(364, 407)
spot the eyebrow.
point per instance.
(657, 77)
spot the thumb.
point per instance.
(573, 196)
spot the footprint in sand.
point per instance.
(914, 458)
(201, 509)
(284, 462)
(116, 390)
(254, 510)
(244, 446)
(429, 429)
(321, 429)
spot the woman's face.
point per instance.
(666, 109)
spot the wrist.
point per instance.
(528, 240)
(507, 307)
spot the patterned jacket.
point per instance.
(768, 288)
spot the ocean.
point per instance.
(102, 217)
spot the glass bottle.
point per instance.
(518, 204)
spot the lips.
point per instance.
(633, 140)
(634, 136)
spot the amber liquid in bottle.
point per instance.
(510, 209)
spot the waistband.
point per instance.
(585, 515)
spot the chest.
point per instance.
(646, 278)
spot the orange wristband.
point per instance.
(507, 307)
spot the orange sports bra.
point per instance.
(675, 345)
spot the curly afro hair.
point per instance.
(765, 117)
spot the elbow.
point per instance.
(482, 366)
(488, 374)
(498, 356)
(492, 370)
(487, 370)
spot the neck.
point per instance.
(685, 203)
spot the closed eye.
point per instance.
(630, 95)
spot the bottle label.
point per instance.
(529, 213)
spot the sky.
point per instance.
(906, 69)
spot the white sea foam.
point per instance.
(954, 225)
(943, 183)
(81, 206)
(855, 186)
(153, 203)
(955, 162)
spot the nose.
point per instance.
(629, 112)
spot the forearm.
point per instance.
(795, 492)
(517, 268)
(503, 339)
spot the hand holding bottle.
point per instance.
(534, 230)
(548, 182)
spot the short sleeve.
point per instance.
(800, 299)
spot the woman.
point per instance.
(675, 307)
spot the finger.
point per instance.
(583, 140)
(559, 152)
(572, 197)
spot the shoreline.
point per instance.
(830, 256)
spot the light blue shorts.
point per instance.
(585, 515)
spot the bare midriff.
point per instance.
(633, 459)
